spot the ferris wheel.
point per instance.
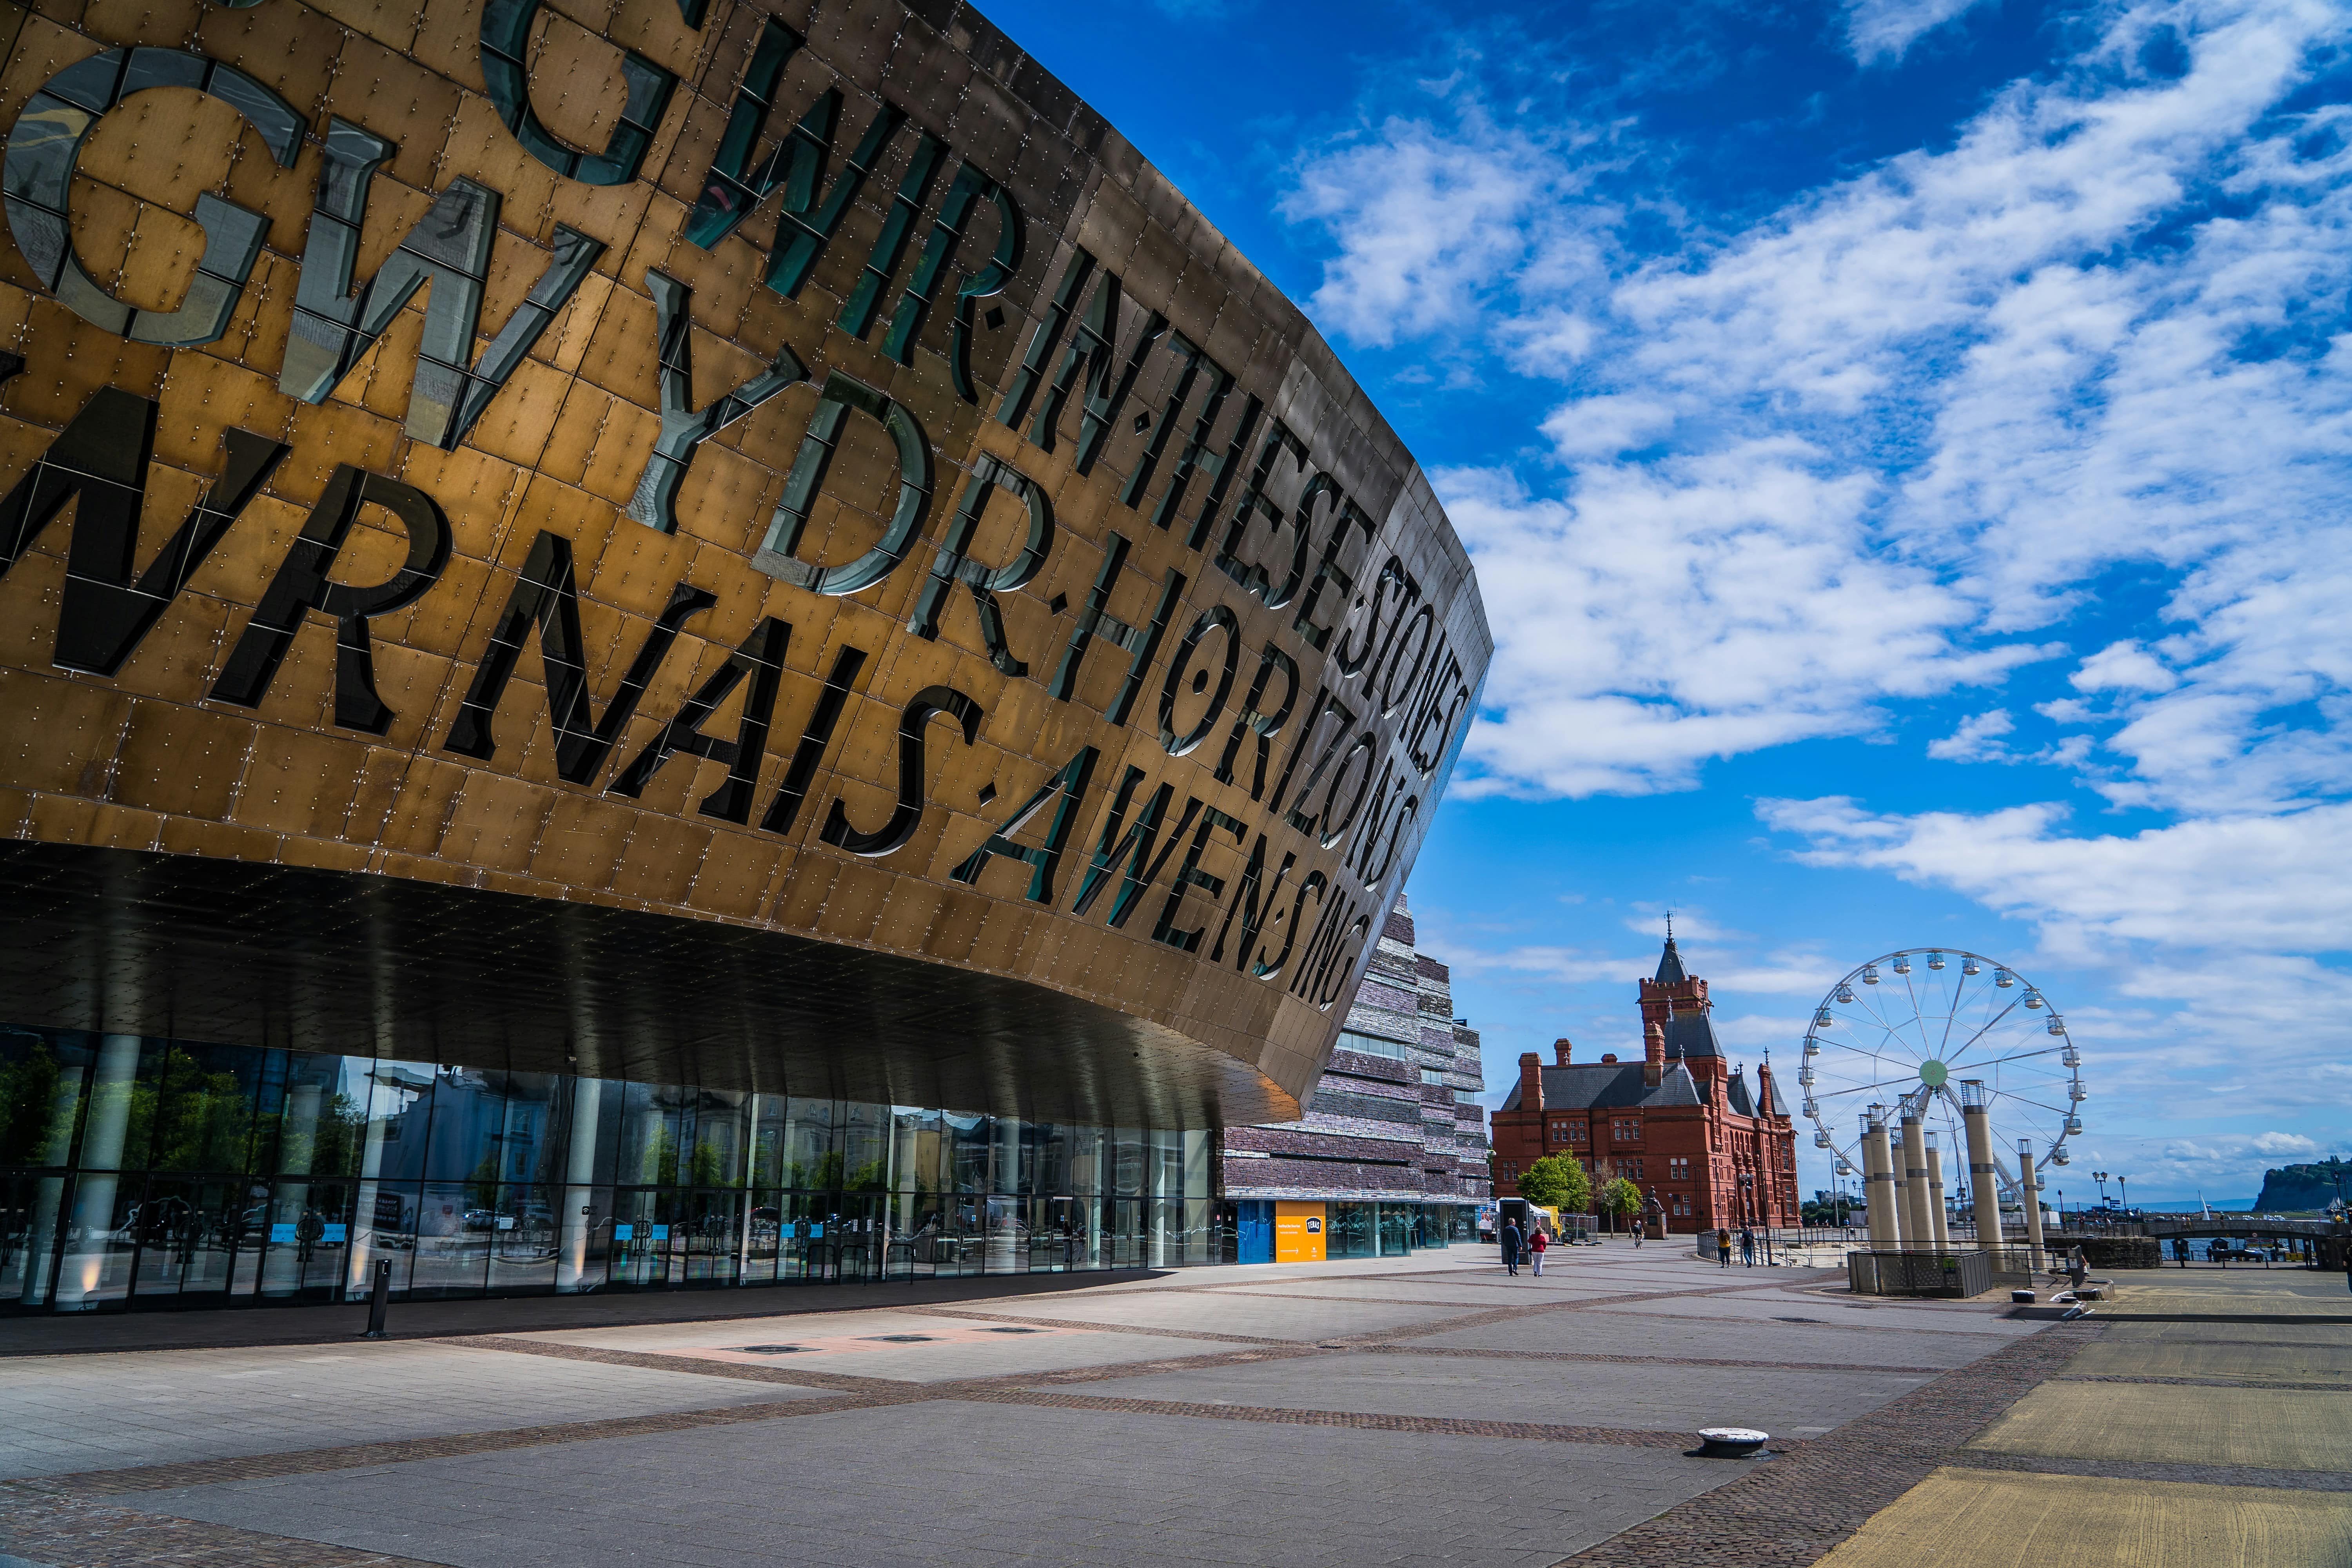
(1922, 1031)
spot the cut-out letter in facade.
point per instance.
(45, 143)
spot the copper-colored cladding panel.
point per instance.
(880, 968)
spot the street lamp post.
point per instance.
(2122, 1193)
(2101, 1177)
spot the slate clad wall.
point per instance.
(1168, 533)
(1376, 1128)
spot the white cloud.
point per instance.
(2232, 929)
(2123, 667)
(2284, 1143)
(1923, 409)
(1882, 31)
(1665, 614)
(1430, 223)
(2246, 886)
(1978, 740)
(1606, 425)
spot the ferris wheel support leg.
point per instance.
(1935, 1201)
(2030, 1187)
(1918, 1231)
(1984, 1188)
(1878, 1181)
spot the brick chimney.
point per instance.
(1530, 1081)
(1560, 1049)
(1654, 1057)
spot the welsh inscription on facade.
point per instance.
(782, 464)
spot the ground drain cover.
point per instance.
(1014, 1331)
(772, 1349)
(1795, 1319)
(902, 1338)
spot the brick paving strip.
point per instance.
(1797, 1506)
(2140, 1470)
(2338, 1387)
(40, 1528)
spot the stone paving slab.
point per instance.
(80, 1333)
(2319, 1334)
(64, 1414)
(1655, 1397)
(1976, 1518)
(926, 1484)
(2238, 1362)
(1241, 1316)
(1769, 1305)
(2277, 1429)
(1607, 1331)
(1789, 1511)
(1432, 1293)
(856, 1343)
(2335, 1306)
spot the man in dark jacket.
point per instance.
(1509, 1235)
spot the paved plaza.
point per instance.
(1403, 1411)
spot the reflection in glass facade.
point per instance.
(139, 1172)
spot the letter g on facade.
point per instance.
(45, 143)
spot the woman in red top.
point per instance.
(1538, 1244)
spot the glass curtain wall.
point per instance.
(140, 1172)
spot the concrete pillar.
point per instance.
(1984, 1190)
(360, 1252)
(1878, 1184)
(1918, 1231)
(579, 1217)
(1935, 1218)
(82, 1282)
(49, 1202)
(2030, 1188)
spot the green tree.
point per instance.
(1620, 1197)
(1558, 1183)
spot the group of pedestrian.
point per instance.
(1532, 1242)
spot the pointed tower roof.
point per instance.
(1670, 963)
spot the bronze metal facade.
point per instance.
(700, 541)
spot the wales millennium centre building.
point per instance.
(683, 642)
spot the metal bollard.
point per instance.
(380, 1302)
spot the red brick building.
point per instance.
(1681, 1123)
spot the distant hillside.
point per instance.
(2295, 1187)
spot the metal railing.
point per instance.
(1952, 1274)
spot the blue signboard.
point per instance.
(334, 1233)
(625, 1233)
(661, 1233)
(282, 1234)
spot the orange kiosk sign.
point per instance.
(1298, 1233)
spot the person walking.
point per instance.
(2077, 1270)
(1509, 1237)
(1746, 1247)
(1538, 1245)
(1722, 1248)
(1640, 1225)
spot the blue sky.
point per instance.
(1905, 444)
